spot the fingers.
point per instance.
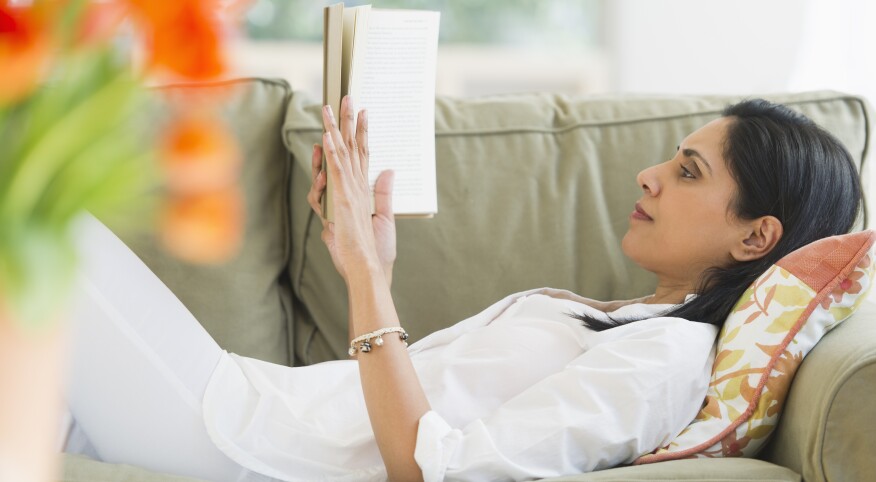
(344, 141)
(383, 194)
(318, 182)
(336, 153)
(362, 140)
(348, 131)
(315, 162)
(328, 233)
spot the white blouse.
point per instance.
(520, 391)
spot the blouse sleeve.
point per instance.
(622, 398)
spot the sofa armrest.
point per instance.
(828, 427)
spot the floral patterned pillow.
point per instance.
(781, 316)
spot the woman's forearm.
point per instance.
(351, 330)
(393, 395)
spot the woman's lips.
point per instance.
(640, 214)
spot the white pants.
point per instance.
(140, 365)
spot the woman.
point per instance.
(520, 391)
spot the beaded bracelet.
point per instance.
(377, 335)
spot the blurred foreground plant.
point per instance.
(77, 133)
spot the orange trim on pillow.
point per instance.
(814, 264)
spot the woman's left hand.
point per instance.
(356, 239)
(361, 245)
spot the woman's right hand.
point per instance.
(383, 221)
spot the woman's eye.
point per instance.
(686, 173)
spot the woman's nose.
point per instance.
(647, 179)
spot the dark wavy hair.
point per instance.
(785, 166)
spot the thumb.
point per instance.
(383, 193)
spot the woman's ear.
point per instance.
(760, 236)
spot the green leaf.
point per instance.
(77, 78)
(70, 20)
(68, 135)
(133, 190)
(101, 166)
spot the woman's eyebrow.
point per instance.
(688, 152)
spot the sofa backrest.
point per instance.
(533, 190)
(245, 303)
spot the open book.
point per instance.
(386, 60)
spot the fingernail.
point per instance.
(328, 110)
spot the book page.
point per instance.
(332, 58)
(354, 45)
(396, 84)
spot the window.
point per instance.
(485, 46)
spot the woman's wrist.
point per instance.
(371, 306)
(364, 272)
(387, 273)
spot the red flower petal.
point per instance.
(24, 52)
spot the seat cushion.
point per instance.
(705, 470)
(78, 468)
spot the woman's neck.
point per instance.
(670, 293)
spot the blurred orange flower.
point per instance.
(182, 36)
(203, 218)
(24, 51)
(204, 227)
(199, 154)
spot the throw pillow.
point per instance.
(774, 325)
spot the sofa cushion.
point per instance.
(244, 303)
(772, 328)
(703, 470)
(79, 468)
(533, 190)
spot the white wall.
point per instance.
(703, 46)
(461, 71)
(655, 46)
(837, 50)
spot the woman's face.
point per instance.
(682, 224)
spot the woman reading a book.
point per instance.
(520, 391)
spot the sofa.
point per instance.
(533, 190)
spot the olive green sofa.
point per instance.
(534, 190)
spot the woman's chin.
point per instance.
(631, 248)
(626, 241)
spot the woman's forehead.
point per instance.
(710, 135)
(708, 141)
